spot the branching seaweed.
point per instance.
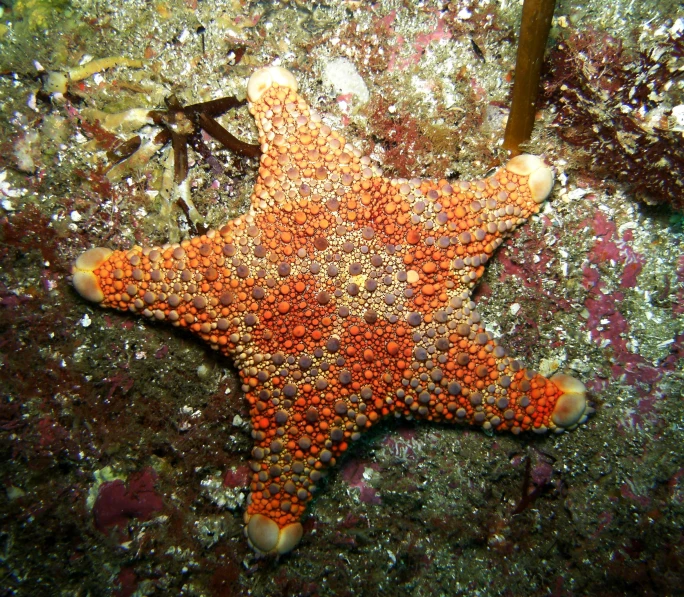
(617, 105)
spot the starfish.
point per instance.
(343, 297)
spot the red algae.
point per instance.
(608, 519)
(118, 502)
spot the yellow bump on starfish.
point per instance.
(571, 405)
(263, 79)
(540, 176)
(343, 297)
(265, 536)
(84, 280)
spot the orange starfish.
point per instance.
(343, 297)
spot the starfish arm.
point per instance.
(464, 376)
(198, 284)
(301, 156)
(288, 459)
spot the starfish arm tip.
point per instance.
(571, 408)
(265, 78)
(540, 176)
(84, 279)
(267, 537)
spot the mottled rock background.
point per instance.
(123, 445)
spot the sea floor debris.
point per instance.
(594, 283)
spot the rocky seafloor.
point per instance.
(124, 444)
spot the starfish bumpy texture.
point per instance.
(342, 297)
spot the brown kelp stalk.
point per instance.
(534, 32)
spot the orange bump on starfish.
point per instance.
(343, 297)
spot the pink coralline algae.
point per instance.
(238, 477)
(420, 44)
(126, 583)
(605, 321)
(606, 318)
(353, 473)
(610, 248)
(609, 326)
(679, 303)
(118, 502)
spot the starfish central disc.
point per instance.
(342, 297)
